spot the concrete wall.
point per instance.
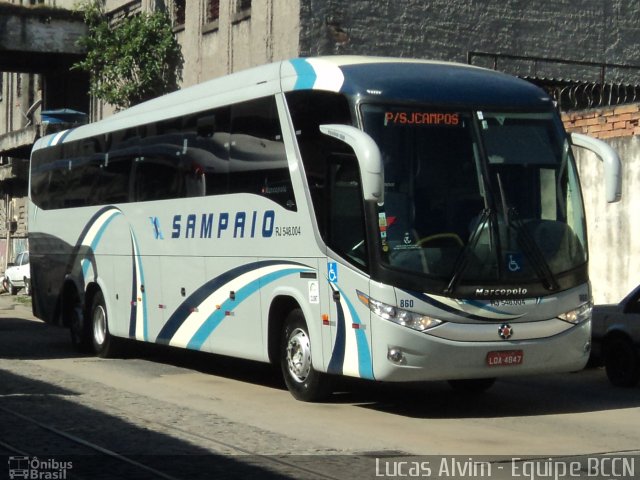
(582, 30)
(614, 229)
(268, 32)
(19, 91)
(614, 232)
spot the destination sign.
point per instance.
(421, 118)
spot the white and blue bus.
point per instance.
(387, 219)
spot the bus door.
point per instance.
(348, 351)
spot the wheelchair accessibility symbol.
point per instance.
(332, 272)
(514, 262)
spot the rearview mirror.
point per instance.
(368, 155)
(610, 159)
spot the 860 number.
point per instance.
(406, 303)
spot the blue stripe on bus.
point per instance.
(459, 312)
(53, 137)
(214, 320)
(85, 263)
(446, 308)
(183, 311)
(97, 238)
(91, 222)
(65, 134)
(336, 364)
(306, 74)
(59, 137)
(365, 365)
(78, 248)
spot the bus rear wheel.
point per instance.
(302, 380)
(79, 330)
(104, 345)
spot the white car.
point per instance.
(18, 275)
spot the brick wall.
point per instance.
(620, 121)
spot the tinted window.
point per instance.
(332, 172)
(258, 160)
(208, 138)
(309, 110)
(180, 157)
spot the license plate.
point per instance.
(505, 358)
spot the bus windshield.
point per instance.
(477, 196)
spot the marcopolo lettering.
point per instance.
(500, 292)
(224, 225)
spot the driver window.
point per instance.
(345, 223)
(332, 172)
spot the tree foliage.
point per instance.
(134, 60)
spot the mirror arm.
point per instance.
(610, 159)
(368, 155)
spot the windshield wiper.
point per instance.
(532, 251)
(462, 262)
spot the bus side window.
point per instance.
(309, 109)
(112, 184)
(258, 159)
(208, 138)
(157, 178)
(80, 181)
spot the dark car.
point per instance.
(616, 339)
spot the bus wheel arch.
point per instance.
(103, 343)
(296, 361)
(281, 307)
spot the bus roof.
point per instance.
(431, 82)
(394, 79)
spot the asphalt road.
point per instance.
(164, 406)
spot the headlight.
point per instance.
(579, 315)
(398, 315)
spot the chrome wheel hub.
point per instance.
(299, 355)
(99, 325)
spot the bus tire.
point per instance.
(104, 344)
(621, 362)
(472, 385)
(79, 330)
(302, 380)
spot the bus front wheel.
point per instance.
(304, 383)
(104, 345)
